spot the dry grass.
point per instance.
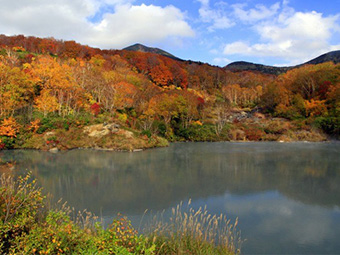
(190, 231)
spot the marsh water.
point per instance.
(286, 195)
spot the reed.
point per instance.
(190, 231)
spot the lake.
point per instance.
(286, 195)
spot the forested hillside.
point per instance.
(51, 89)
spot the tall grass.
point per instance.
(29, 225)
(190, 231)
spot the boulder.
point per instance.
(113, 127)
(49, 134)
(54, 150)
(101, 130)
(126, 133)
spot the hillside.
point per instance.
(62, 94)
(333, 56)
(240, 66)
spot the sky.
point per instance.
(218, 32)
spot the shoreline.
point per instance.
(51, 150)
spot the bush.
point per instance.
(254, 134)
(20, 207)
(199, 133)
(28, 227)
(331, 125)
(56, 235)
(46, 123)
(160, 127)
(7, 142)
(147, 133)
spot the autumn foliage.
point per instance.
(156, 94)
(9, 127)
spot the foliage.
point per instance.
(9, 127)
(20, 204)
(27, 226)
(200, 133)
(7, 142)
(95, 108)
(65, 80)
(330, 124)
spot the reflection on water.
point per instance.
(287, 196)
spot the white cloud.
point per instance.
(66, 19)
(141, 23)
(238, 47)
(292, 36)
(260, 12)
(216, 17)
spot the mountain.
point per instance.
(238, 66)
(330, 56)
(142, 48)
(248, 66)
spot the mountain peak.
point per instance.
(333, 56)
(142, 48)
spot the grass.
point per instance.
(190, 231)
(29, 225)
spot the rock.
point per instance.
(113, 127)
(126, 133)
(54, 150)
(101, 130)
(99, 133)
(137, 150)
(49, 134)
(259, 115)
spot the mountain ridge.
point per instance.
(142, 48)
(239, 66)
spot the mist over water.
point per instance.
(286, 195)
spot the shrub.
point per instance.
(9, 127)
(254, 134)
(199, 133)
(331, 125)
(56, 235)
(7, 142)
(20, 205)
(148, 133)
(28, 227)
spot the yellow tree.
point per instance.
(16, 89)
(9, 127)
(56, 80)
(46, 102)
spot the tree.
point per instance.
(16, 89)
(46, 102)
(55, 79)
(9, 127)
(222, 117)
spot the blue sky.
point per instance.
(282, 32)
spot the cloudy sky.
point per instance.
(273, 32)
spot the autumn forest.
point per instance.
(52, 90)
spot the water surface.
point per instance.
(286, 195)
